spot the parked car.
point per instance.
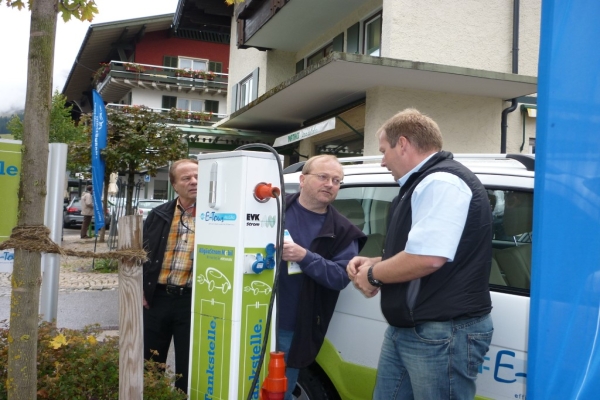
(364, 198)
(72, 215)
(144, 207)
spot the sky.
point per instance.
(14, 28)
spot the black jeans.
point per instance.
(169, 317)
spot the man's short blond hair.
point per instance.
(420, 130)
(176, 164)
(308, 166)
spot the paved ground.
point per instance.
(75, 274)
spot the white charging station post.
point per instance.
(231, 300)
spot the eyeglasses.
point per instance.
(326, 178)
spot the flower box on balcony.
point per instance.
(132, 67)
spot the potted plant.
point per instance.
(186, 73)
(210, 75)
(101, 73)
(133, 67)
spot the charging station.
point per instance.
(235, 237)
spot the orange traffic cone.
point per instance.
(275, 383)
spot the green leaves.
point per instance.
(83, 10)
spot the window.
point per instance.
(367, 207)
(192, 64)
(211, 106)
(372, 29)
(169, 102)
(319, 55)
(190, 105)
(160, 189)
(215, 66)
(512, 213)
(170, 61)
(245, 92)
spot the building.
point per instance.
(176, 64)
(470, 65)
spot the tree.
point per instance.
(25, 282)
(139, 138)
(63, 129)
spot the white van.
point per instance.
(346, 366)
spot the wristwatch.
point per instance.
(373, 281)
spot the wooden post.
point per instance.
(131, 338)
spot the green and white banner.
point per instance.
(10, 172)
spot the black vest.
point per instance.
(457, 289)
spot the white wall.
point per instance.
(281, 65)
(469, 124)
(241, 64)
(467, 33)
(368, 8)
(153, 98)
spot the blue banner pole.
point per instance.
(99, 133)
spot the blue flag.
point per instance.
(99, 133)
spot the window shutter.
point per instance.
(169, 102)
(352, 46)
(211, 106)
(300, 65)
(215, 66)
(338, 42)
(169, 61)
(254, 85)
(234, 99)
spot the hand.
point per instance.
(361, 282)
(293, 252)
(146, 305)
(357, 262)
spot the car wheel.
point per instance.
(312, 385)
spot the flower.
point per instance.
(59, 341)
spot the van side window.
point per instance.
(367, 207)
(512, 213)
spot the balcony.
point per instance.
(177, 117)
(289, 25)
(115, 79)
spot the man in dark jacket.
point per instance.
(435, 270)
(169, 241)
(320, 243)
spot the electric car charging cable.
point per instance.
(280, 198)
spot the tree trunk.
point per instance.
(130, 185)
(24, 305)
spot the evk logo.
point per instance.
(265, 221)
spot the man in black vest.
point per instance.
(320, 243)
(435, 268)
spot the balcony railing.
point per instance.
(177, 117)
(116, 77)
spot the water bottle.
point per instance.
(293, 267)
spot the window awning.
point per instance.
(304, 133)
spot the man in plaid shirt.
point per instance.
(169, 241)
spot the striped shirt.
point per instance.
(178, 261)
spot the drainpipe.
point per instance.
(515, 70)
